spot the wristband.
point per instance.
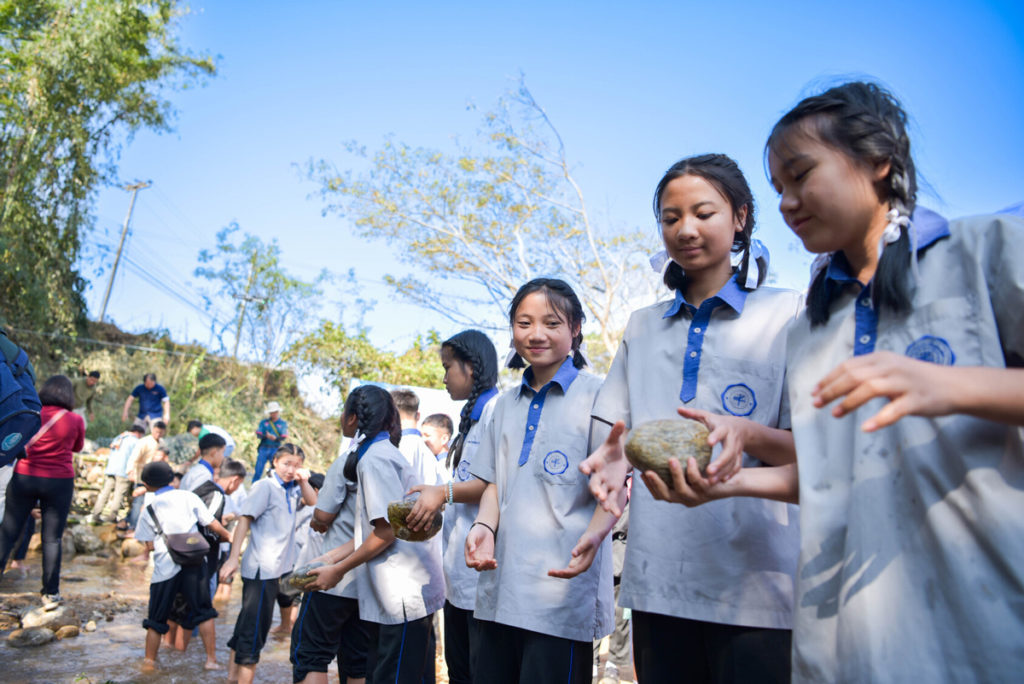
(451, 492)
(487, 526)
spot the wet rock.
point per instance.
(301, 579)
(67, 631)
(90, 626)
(397, 512)
(85, 540)
(131, 548)
(67, 546)
(60, 616)
(650, 445)
(30, 636)
(94, 475)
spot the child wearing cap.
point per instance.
(273, 432)
(176, 512)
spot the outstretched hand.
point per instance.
(582, 557)
(913, 387)
(730, 432)
(480, 549)
(607, 468)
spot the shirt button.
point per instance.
(865, 302)
(536, 406)
(696, 330)
(531, 427)
(693, 355)
(864, 339)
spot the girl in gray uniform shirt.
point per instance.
(536, 619)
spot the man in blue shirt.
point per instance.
(154, 403)
(272, 432)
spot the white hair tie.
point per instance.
(659, 262)
(819, 264)
(891, 234)
(757, 252)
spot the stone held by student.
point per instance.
(397, 512)
(651, 444)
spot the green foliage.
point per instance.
(340, 356)
(76, 78)
(480, 225)
(271, 306)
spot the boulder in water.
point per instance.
(60, 616)
(30, 636)
(67, 631)
(130, 548)
(650, 445)
(85, 540)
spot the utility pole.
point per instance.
(245, 299)
(120, 245)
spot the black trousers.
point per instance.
(669, 649)
(54, 497)
(510, 655)
(401, 654)
(460, 643)
(254, 618)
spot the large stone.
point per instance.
(130, 548)
(95, 474)
(300, 577)
(60, 616)
(650, 445)
(67, 631)
(397, 512)
(31, 636)
(85, 540)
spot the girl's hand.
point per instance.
(730, 432)
(582, 557)
(913, 387)
(480, 549)
(690, 489)
(327, 576)
(318, 526)
(302, 474)
(607, 468)
(430, 501)
(228, 570)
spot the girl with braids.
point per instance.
(470, 373)
(536, 621)
(400, 584)
(711, 589)
(911, 484)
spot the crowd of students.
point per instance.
(860, 521)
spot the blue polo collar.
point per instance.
(731, 294)
(209, 467)
(380, 437)
(285, 485)
(564, 377)
(481, 402)
(163, 490)
(411, 431)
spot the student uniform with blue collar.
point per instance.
(329, 625)
(731, 561)
(272, 504)
(420, 457)
(196, 475)
(531, 449)
(912, 560)
(403, 586)
(178, 512)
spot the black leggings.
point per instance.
(54, 497)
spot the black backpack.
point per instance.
(19, 402)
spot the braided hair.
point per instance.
(562, 299)
(474, 348)
(868, 124)
(724, 174)
(375, 412)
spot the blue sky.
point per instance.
(631, 86)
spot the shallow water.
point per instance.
(114, 652)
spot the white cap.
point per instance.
(273, 406)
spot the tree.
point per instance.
(76, 79)
(340, 356)
(481, 225)
(272, 307)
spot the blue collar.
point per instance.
(411, 431)
(361, 451)
(564, 376)
(209, 467)
(731, 295)
(930, 227)
(221, 489)
(481, 402)
(285, 485)
(164, 490)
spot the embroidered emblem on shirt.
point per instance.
(932, 349)
(556, 463)
(11, 441)
(739, 400)
(463, 470)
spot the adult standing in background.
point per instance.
(46, 474)
(154, 403)
(85, 392)
(273, 432)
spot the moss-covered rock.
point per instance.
(650, 445)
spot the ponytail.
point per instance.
(475, 348)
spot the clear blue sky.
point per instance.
(631, 86)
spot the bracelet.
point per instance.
(451, 492)
(487, 526)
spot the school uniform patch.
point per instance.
(556, 463)
(739, 400)
(932, 349)
(462, 471)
